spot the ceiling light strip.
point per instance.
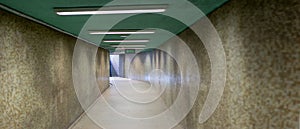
(127, 41)
(123, 9)
(123, 32)
(123, 48)
(112, 12)
(128, 46)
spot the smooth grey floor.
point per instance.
(121, 106)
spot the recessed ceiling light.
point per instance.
(129, 46)
(122, 32)
(131, 9)
(122, 48)
(127, 41)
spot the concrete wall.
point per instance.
(36, 76)
(121, 65)
(262, 46)
(168, 68)
(102, 69)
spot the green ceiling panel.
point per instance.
(43, 10)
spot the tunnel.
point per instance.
(161, 64)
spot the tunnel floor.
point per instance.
(122, 104)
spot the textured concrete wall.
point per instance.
(90, 72)
(262, 46)
(102, 69)
(158, 68)
(168, 68)
(127, 62)
(121, 65)
(36, 76)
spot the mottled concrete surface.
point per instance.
(167, 69)
(158, 68)
(90, 72)
(262, 45)
(102, 69)
(36, 76)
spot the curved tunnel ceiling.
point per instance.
(43, 11)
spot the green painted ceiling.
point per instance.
(43, 10)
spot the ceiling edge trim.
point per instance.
(45, 24)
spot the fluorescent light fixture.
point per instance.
(137, 48)
(122, 9)
(127, 41)
(122, 32)
(128, 46)
(112, 12)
